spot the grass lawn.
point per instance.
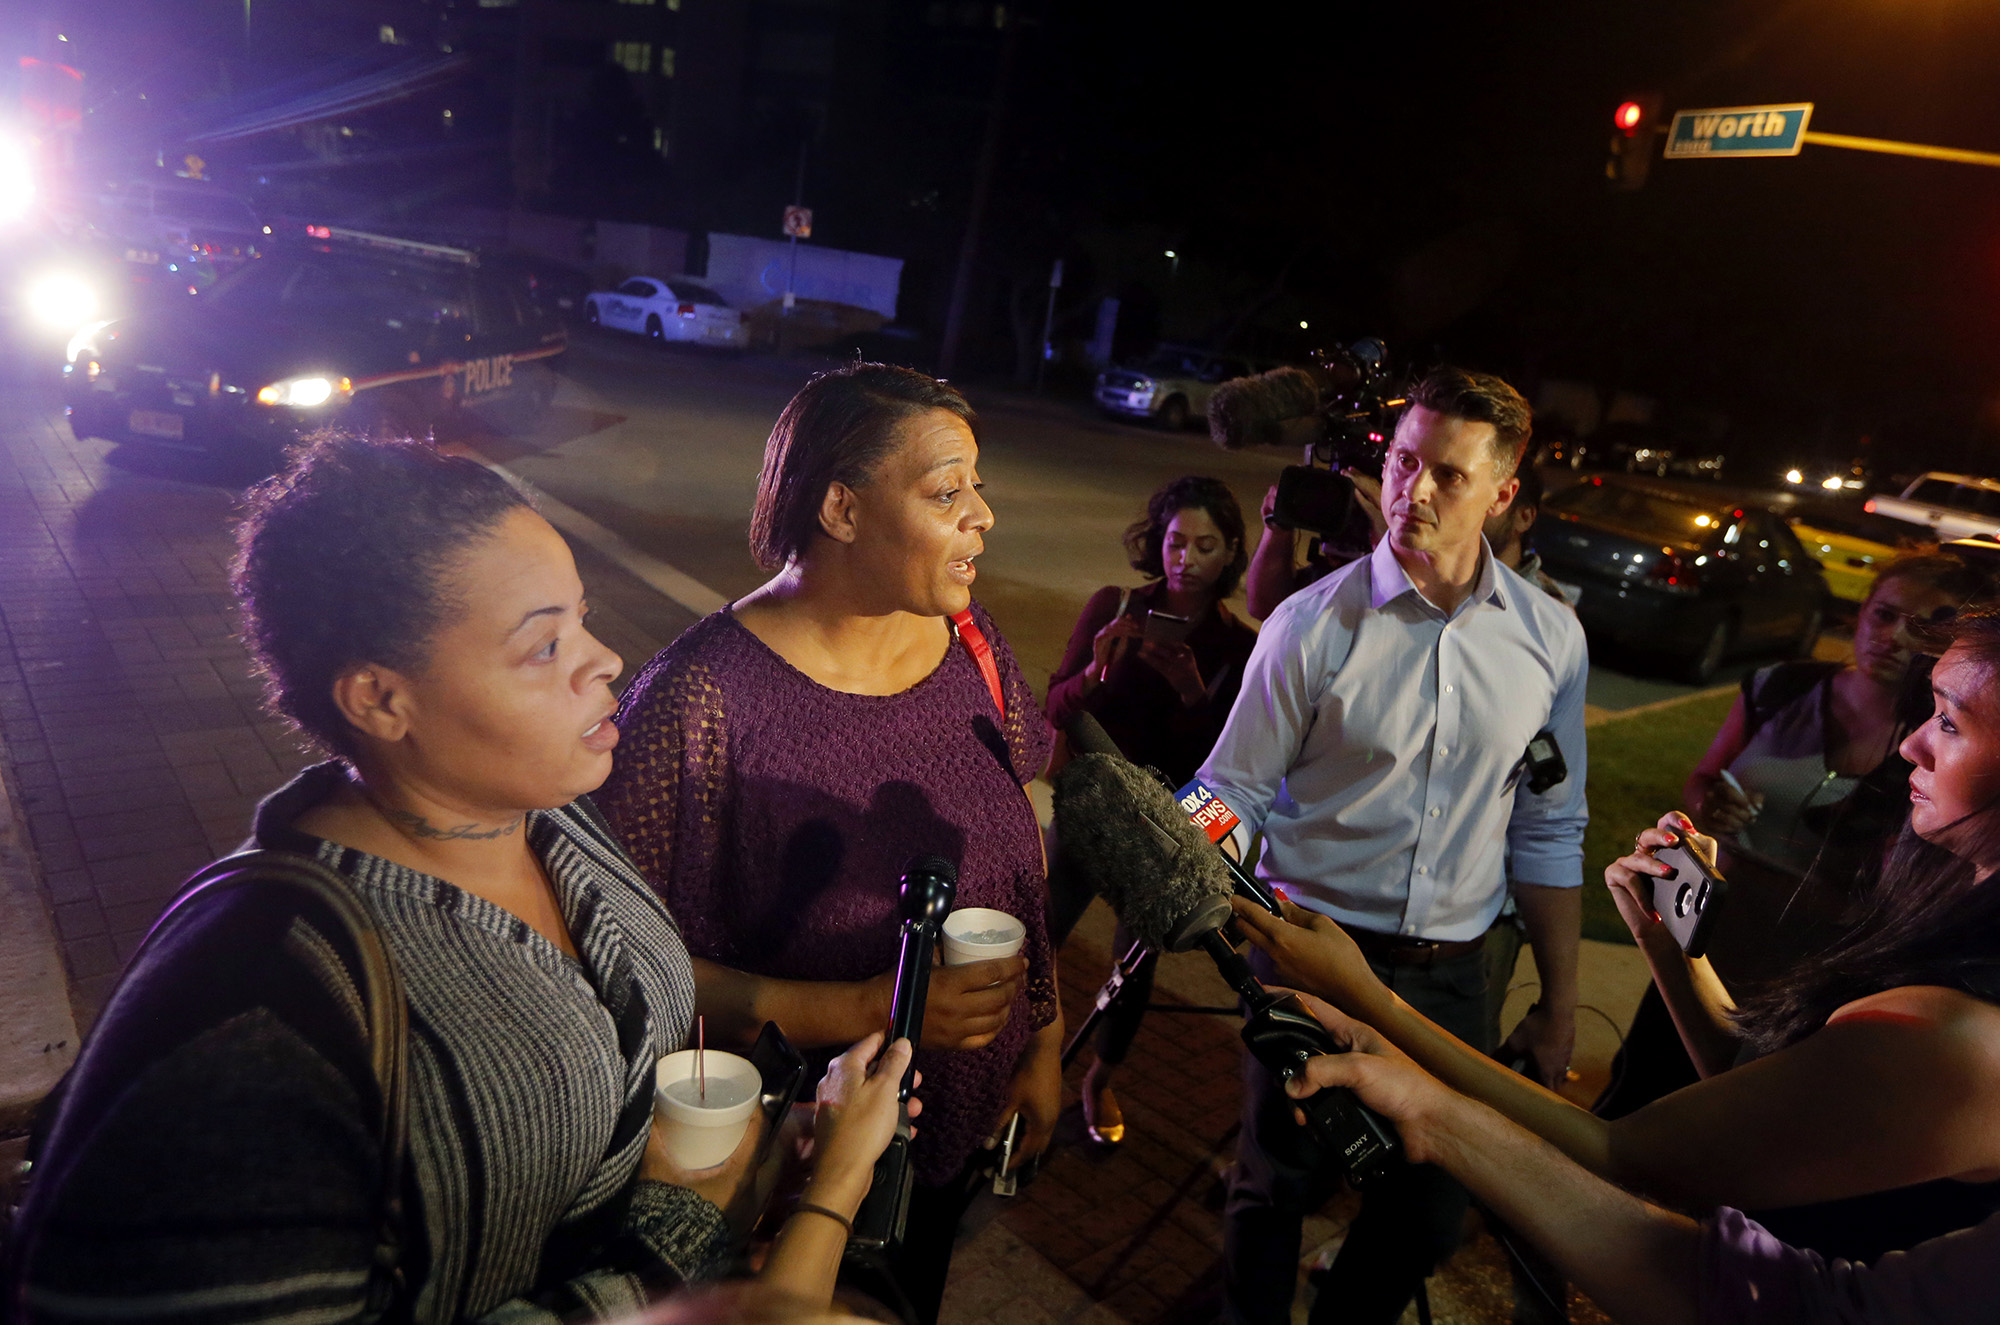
(1637, 766)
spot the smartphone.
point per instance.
(1004, 1182)
(783, 1073)
(1687, 899)
(1166, 628)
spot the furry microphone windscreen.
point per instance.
(1124, 834)
(1254, 411)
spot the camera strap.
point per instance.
(968, 631)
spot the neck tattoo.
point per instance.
(418, 826)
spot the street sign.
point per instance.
(1739, 131)
(799, 222)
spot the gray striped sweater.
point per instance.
(231, 1180)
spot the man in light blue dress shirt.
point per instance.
(1378, 745)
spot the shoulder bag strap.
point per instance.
(976, 644)
(384, 1007)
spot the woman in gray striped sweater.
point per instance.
(416, 619)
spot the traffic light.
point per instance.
(1632, 131)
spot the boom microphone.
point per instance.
(1271, 409)
(1158, 872)
(1164, 879)
(1197, 800)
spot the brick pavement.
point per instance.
(139, 748)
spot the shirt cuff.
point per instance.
(683, 1228)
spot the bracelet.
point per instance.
(1271, 522)
(808, 1208)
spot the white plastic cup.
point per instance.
(979, 934)
(702, 1134)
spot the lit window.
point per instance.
(632, 56)
(666, 62)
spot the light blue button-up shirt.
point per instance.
(1379, 745)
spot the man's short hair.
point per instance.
(1480, 398)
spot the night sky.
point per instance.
(1432, 174)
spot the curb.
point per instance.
(38, 1038)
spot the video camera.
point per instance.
(1342, 413)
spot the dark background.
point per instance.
(1433, 174)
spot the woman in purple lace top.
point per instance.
(784, 759)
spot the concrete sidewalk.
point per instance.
(136, 747)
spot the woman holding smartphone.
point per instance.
(1862, 1122)
(1159, 666)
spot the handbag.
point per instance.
(313, 888)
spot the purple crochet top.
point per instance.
(775, 817)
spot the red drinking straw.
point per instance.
(701, 1055)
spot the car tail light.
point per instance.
(1674, 573)
(1869, 506)
(686, 310)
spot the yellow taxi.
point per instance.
(1851, 544)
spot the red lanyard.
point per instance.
(982, 653)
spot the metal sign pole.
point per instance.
(1894, 148)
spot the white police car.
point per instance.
(674, 308)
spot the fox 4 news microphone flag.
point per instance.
(1207, 811)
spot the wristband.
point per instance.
(808, 1208)
(1271, 522)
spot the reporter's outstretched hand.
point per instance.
(857, 1112)
(1382, 1075)
(1310, 952)
(1630, 877)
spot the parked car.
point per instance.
(1685, 573)
(1851, 544)
(1169, 387)
(1949, 505)
(673, 308)
(346, 326)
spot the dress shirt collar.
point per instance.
(1388, 580)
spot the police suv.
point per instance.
(345, 328)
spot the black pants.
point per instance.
(1410, 1217)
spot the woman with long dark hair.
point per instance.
(1865, 1122)
(1159, 666)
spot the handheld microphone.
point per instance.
(1278, 407)
(928, 886)
(1165, 880)
(1197, 800)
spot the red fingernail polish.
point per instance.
(1283, 896)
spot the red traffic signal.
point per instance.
(1635, 122)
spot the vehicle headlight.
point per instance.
(62, 300)
(1831, 481)
(81, 341)
(1794, 476)
(305, 392)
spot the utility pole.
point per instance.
(798, 200)
(1048, 325)
(982, 190)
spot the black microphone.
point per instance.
(1166, 882)
(1274, 408)
(1197, 800)
(928, 886)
